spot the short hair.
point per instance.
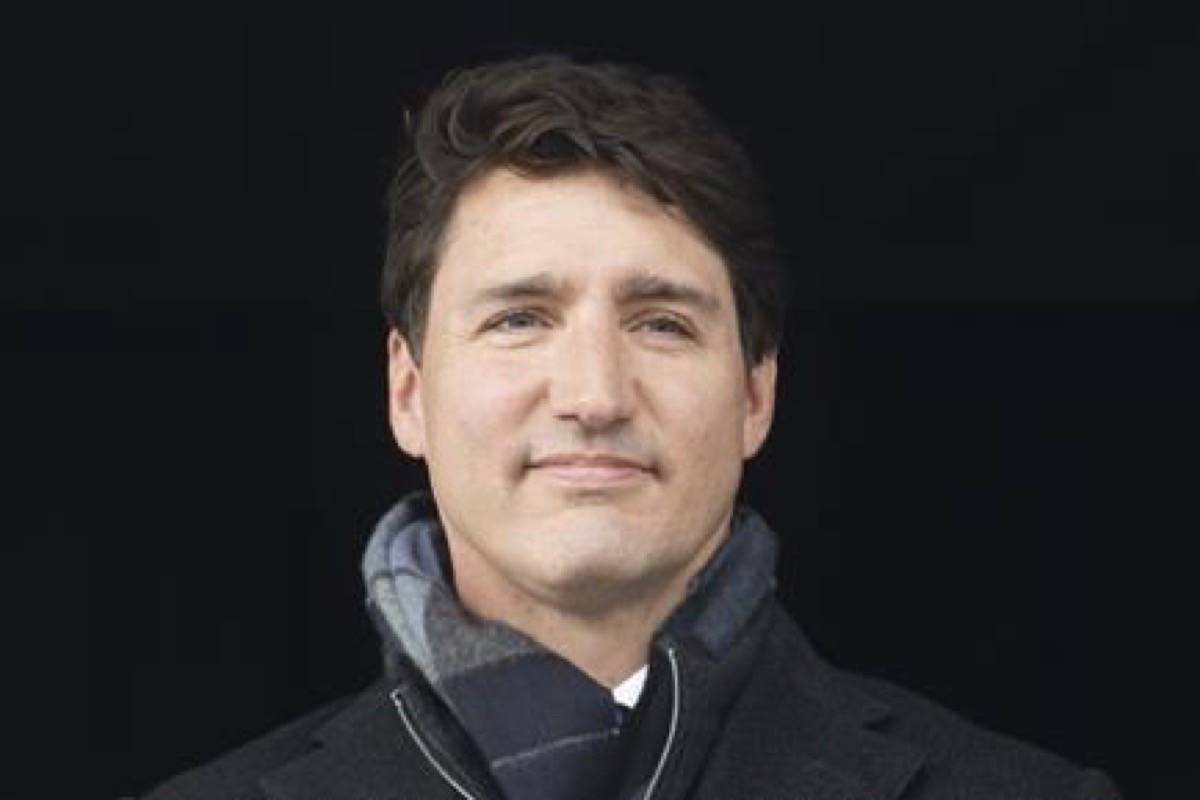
(550, 115)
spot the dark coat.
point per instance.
(767, 721)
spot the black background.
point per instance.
(984, 459)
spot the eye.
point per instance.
(520, 319)
(665, 325)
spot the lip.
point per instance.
(586, 469)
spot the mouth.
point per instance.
(591, 471)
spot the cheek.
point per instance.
(702, 419)
(477, 408)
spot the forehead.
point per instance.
(581, 227)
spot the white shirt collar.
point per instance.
(629, 690)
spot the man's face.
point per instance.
(582, 402)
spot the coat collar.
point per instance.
(385, 744)
(798, 728)
(835, 728)
(358, 756)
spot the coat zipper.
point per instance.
(662, 759)
(412, 731)
(458, 787)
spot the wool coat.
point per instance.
(766, 720)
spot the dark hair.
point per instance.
(549, 115)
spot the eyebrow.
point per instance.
(641, 286)
(533, 286)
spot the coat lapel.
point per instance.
(823, 757)
(798, 730)
(364, 753)
(836, 745)
(776, 746)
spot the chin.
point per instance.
(597, 522)
(601, 576)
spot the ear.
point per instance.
(760, 404)
(405, 413)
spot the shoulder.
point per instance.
(965, 753)
(960, 756)
(235, 773)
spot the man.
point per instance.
(584, 308)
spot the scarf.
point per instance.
(546, 729)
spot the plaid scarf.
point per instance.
(546, 729)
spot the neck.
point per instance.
(608, 639)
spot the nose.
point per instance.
(591, 383)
